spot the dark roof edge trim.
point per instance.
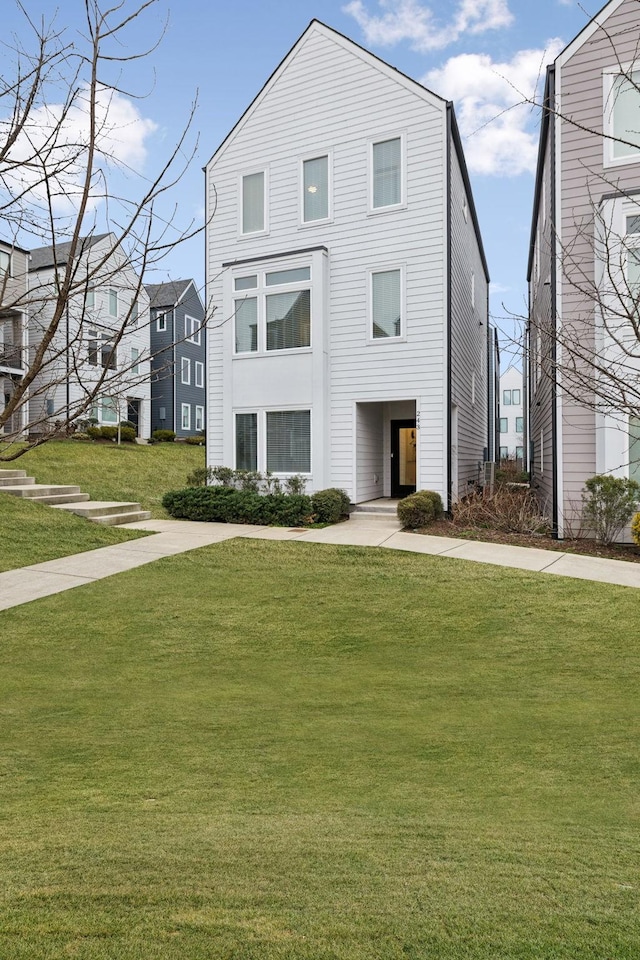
(547, 111)
(457, 141)
(275, 256)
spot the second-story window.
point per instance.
(113, 302)
(386, 173)
(192, 329)
(5, 264)
(253, 203)
(315, 189)
(624, 107)
(386, 304)
(275, 311)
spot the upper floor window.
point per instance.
(386, 304)
(161, 322)
(519, 424)
(253, 216)
(506, 398)
(275, 312)
(315, 189)
(622, 115)
(135, 355)
(90, 299)
(199, 373)
(133, 314)
(5, 263)
(113, 302)
(386, 173)
(185, 370)
(504, 425)
(192, 328)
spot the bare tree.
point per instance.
(70, 193)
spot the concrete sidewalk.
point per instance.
(179, 536)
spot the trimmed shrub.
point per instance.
(609, 503)
(330, 505)
(420, 509)
(94, 432)
(127, 434)
(226, 505)
(163, 436)
(128, 423)
(635, 529)
(195, 441)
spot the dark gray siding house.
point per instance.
(178, 352)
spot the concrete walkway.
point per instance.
(363, 530)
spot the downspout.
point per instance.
(553, 292)
(68, 367)
(449, 323)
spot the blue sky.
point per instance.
(485, 55)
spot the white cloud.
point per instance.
(57, 141)
(413, 21)
(493, 106)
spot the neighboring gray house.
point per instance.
(14, 277)
(584, 263)
(178, 362)
(511, 446)
(101, 346)
(346, 263)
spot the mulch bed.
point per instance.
(618, 551)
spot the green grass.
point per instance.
(133, 472)
(268, 751)
(32, 533)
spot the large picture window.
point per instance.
(289, 441)
(274, 312)
(386, 173)
(315, 189)
(625, 115)
(386, 304)
(253, 203)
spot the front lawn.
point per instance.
(33, 533)
(133, 472)
(267, 751)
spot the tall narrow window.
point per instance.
(185, 370)
(315, 189)
(90, 299)
(246, 441)
(515, 398)
(161, 322)
(625, 115)
(504, 425)
(135, 366)
(5, 263)
(186, 416)
(133, 315)
(199, 373)
(506, 398)
(246, 322)
(634, 449)
(199, 418)
(113, 302)
(289, 441)
(386, 166)
(386, 304)
(192, 329)
(519, 424)
(253, 218)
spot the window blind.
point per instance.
(246, 441)
(385, 294)
(316, 189)
(387, 182)
(288, 320)
(289, 441)
(253, 202)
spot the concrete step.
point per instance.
(114, 519)
(57, 499)
(39, 490)
(99, 508)
(23, 480)
(377, 508)
(12, 474)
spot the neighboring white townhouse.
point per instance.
(344, 262)
(101, 345)
(14, 275)
(511, 415)
(583, 344)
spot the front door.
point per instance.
(403, 458)
(133, 413)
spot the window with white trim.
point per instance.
(192, 329)
(622, 115)
(135, 366)
(274, 310)
(519, 453)
(161, 322)
(519, 424)
(199, 418)
(90, 298)
(506, 398)
(515, 398)
(133, 314)
(199, 373)
(109, 410)
(634, 449)
(5, 263)
(386, 304)
(113, 302)
(473, 289)
(246, 441)
(185, 370)
(504, 453)
(504, 424)
(386, 173)
(315, 189)
(288, 436)
(253, 212)
(186, 416)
